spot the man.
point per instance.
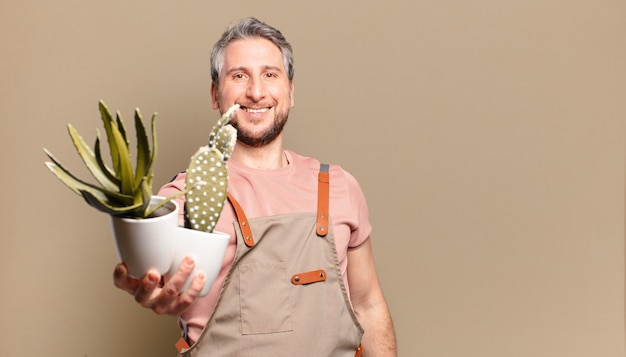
(306, 285)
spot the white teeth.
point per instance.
(250, 110)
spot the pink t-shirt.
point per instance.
(291, 189)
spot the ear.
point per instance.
(292, 89)
(214, 100)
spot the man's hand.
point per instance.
(162, 296)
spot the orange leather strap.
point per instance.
(323, 188)
(359, 351)
(243, 222)
(181, 344)
(308, 277)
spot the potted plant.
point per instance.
(145, 226)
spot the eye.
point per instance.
(271, 75)
(239, 76)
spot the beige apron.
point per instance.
(284, 294)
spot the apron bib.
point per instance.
(284, 294)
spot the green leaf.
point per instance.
(122, 128)
(71, 181)
(125, 174)
(107, 121)
(143, 150)
(78, 186)
(103, 167)
(124, 168)
(150, 167)
(103, 205)
(145, 196)
(89, 159)
(171, 197)
(120, 155)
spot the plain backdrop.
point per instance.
(488, 136)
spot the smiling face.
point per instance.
(254, 76)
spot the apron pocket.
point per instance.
(265, 298)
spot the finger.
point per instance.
(188, 297)
(175, 283)
(193, 292)
(166, 301)
(123, 281)
(184, 270)
(147, 286)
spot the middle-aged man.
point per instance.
(307, 286)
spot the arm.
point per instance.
(161, 298)
(369, 303)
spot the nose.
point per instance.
(256, 89)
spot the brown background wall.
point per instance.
(487, 135)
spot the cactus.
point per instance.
(122, 191)
(207, 180)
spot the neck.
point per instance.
(268, 157)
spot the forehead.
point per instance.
(252, 53)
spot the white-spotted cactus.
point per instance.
(207, 179)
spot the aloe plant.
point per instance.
(121, 190)
(126, 191)
(207, 180)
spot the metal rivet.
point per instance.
(322, 228)
(322, 216)
(321, 275)
(248, 238)
(296, 279)
(244, 223)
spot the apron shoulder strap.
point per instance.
(323, 187)
(246, 231)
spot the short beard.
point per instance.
(245, 137)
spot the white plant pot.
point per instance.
(207, 249)
(146, 244)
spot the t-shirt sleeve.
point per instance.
(362, 229)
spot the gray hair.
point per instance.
(250, 28)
